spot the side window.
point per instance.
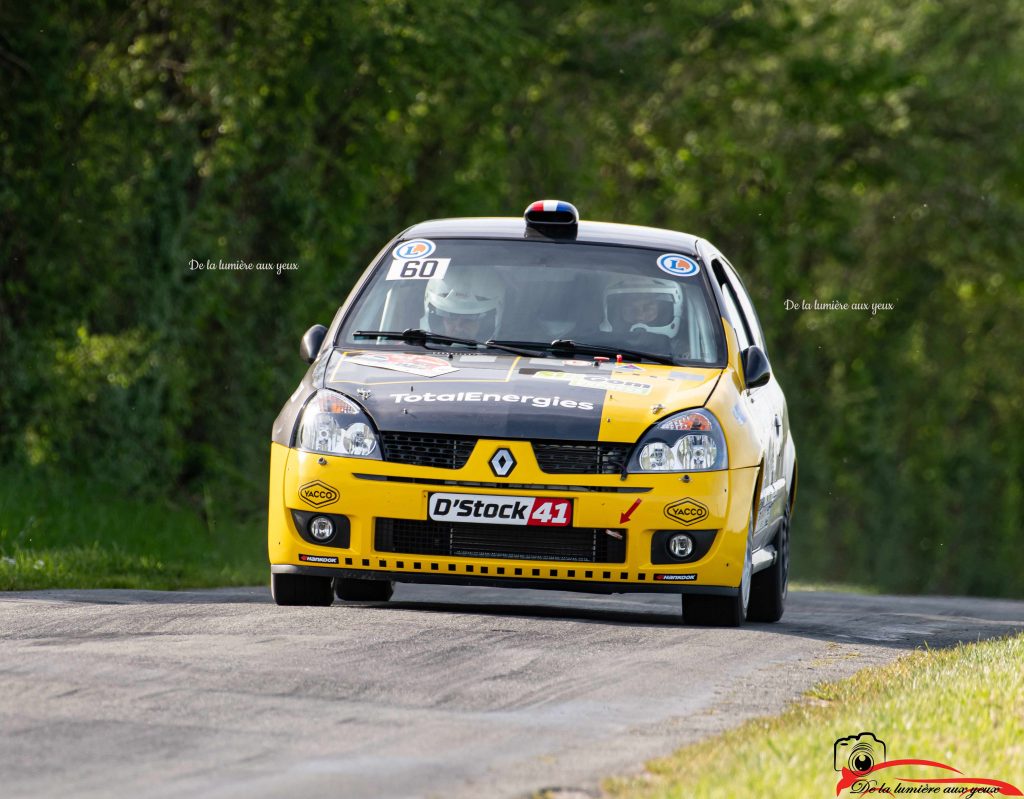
(747, 307)
(732, 307)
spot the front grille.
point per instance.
(570, 457)
(553, 457)
(574, 544)
(425, 449)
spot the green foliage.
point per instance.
(69, 533)
(861, 151)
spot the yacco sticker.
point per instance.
(318, 493)
(676, 578)
(687, 511)
(422, 365)
(480, 396)
(487, 509)
(417, 268)
(416, 248)
(678, 265)
(628, 367)
(317, 558)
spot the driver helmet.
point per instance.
(460, 302)
(643, 304)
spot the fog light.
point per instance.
(680, 545)
(321, 528)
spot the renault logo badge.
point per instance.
(502, 462)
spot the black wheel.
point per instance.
(301, 589)
(363, 590)
(770, 587)
(723, 611)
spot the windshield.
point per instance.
(532, 291)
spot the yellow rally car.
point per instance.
(538, 403)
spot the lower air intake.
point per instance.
(567, 544)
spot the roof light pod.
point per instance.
(552, 218)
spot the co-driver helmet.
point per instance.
(663, 300)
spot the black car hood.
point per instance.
(506, 396)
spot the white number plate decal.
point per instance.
(418, 269)
(487, 509)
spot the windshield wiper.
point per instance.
(415, 335)
(571, 347)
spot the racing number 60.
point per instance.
(420, 269)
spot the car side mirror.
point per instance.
(756, 369)
(311, 341)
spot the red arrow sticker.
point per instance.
(624, 517)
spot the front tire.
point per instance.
(724, 611)
(713, 611)
(363, 590)
(301, 590)
(771, 586)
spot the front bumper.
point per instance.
(367, 491)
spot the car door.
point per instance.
(764, 405)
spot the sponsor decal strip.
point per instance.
(491, 509)
(479, 396)
(601, 382)
(423, 365)
(317, 558)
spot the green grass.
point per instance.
(69, 533)
(820, 585)
(963, 707)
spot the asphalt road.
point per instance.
(443, 692)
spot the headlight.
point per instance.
(690, 441)
(334, 425)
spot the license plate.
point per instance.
(488, 509)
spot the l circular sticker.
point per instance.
(417, 248)
(678, 265)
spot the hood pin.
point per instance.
(657, 408)
(364, 393)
